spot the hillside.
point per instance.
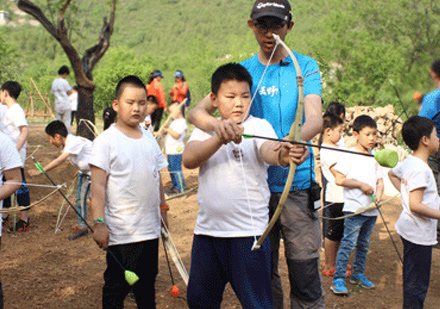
(359, 46)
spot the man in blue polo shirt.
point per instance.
(431, 109)
(276, 101)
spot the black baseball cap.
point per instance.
(276, 8)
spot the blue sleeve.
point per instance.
(429, 107)
(312, 78)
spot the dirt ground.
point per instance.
(43, 269)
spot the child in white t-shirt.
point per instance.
(233, 197)
(417, 224)
(127, 198)
(73, 97)
(10, 165)
(77, 150)
(361, 177)
(334, 194)
(16, 127)
(174, 144)
(152, 104)
(61, 91)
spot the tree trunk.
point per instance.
(85, 111)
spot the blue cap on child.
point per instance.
(178, 73)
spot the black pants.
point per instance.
(141, 258)
(156, 118)
(417, 261)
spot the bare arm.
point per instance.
(99, 181)
(275, 153)
(24, 133)
(172, 133)
(416, 206)
(313, 115)
(342, 181)
(12, 183)
(197, 153)
(59, 160)
(396, 181)
(379, 190)
(163, 212)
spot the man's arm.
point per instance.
(313, 115)
(24, 133)
(99, 181)
(54, 163)
(12, 183)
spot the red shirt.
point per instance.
(179, 91)
(156, 88)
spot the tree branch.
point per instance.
(95, 53)
(37, 13)
(60, 34)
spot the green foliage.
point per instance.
(360, 46)
(117, 64)
(7, 59)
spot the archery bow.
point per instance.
(361, 210)
(294, 134)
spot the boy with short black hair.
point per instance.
(127, 198)
(61, 91)
(417, 224)
(16, 127)
(334, 194)
(232, 214)
(361, 178)
(78, 151)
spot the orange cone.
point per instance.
(175, 291)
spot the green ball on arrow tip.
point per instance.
(131, 277)
(387, 157)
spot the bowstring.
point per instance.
(241, 150)
(246, 114)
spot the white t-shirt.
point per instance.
(60, 87)
(341, 142)
(132, 200)
(79, 150)
(73, 101)
(142, 124)
(361, 168)
(172, 145)
(417, 229)
(333, 192)
(3, 110)
(9, 159)
(222, 197)
(13, 119)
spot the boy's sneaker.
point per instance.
(78, 234)
(360, 279)
(338, 287)
(21, 226)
